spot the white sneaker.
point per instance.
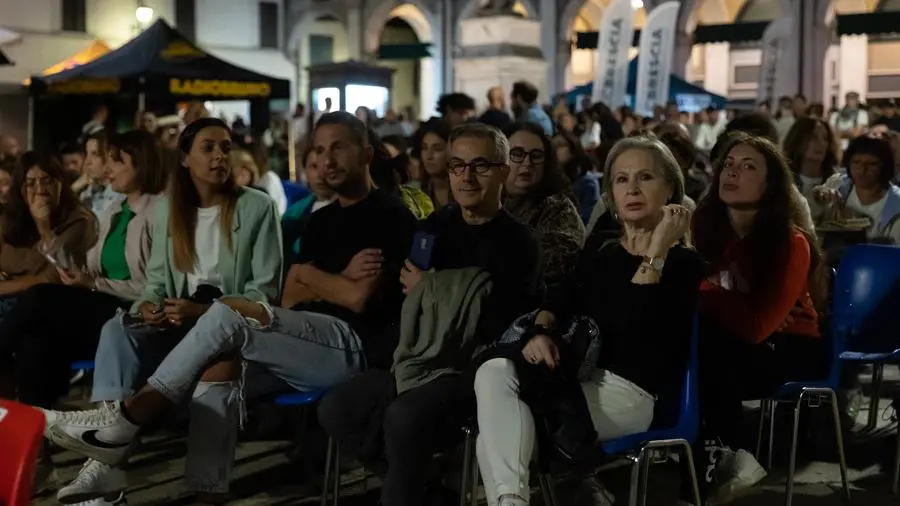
(736, 473)
(94, 480)
(52, 417)
(116, 500)
(101, 434)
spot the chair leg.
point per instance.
(792, 463)
(644, 457)
(466, 466)
(634, 482)
(326, 479)
(877, 376)
(896, 479)
(763, 409)
(692, 472)
(773, 407)
(336, 477)
(547, 491)
(839, 439)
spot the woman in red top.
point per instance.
(758, 305)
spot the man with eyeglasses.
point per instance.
(396, 434)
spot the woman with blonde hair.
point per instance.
(640, 289)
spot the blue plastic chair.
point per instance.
(869, 324)
(869, 301)
(331, 480)
(83, 365)
(813, 392)
(638, 448)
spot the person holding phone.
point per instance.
(87, 297)
(210, 238)
(398, 419)
(42, 220)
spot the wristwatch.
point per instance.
(655, 263)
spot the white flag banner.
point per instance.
(611, 63)
(655, 58)
(777, 74)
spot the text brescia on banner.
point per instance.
(215, 88)
(611, 64)
(776, 76)
(655, 58)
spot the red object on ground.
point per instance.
(21, 429)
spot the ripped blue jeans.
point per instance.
(305, 350)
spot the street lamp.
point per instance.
(637, 4)
(144, 15)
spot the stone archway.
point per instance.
(298, 42)
(427, 28)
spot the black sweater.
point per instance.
(646, 329)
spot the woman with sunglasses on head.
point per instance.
(538, 195)
(211, 239)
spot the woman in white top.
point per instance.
(812, 151)
(211, 238)
(867, 190)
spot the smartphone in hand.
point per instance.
(422, 247)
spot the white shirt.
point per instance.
(272, 184)
(207, 238)
(872, 211)
(591, 137)
(708, 134)
(845, 125)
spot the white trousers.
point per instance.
(506, 439)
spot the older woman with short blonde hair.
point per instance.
(641, 291)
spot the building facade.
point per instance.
(421, 40)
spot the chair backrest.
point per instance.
(689, 418)
(21, 429)
(866, 296)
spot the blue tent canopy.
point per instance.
(688, 96)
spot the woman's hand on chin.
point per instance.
(671, 228)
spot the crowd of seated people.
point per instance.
(425, 289)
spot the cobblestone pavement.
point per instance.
(267, 475)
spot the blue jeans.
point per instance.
(305, 350)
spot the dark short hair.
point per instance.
(455, 102)
(526, 91)
(146, 158)
(354, 125)
(71, 148)
(879, 148)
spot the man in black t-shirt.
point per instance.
(397, 435)
(336, 305)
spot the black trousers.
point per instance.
(51, 326)
(732, 371)
(397, 436)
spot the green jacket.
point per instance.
(251, 268)
(437, 326)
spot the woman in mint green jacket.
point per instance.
(211, 238)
